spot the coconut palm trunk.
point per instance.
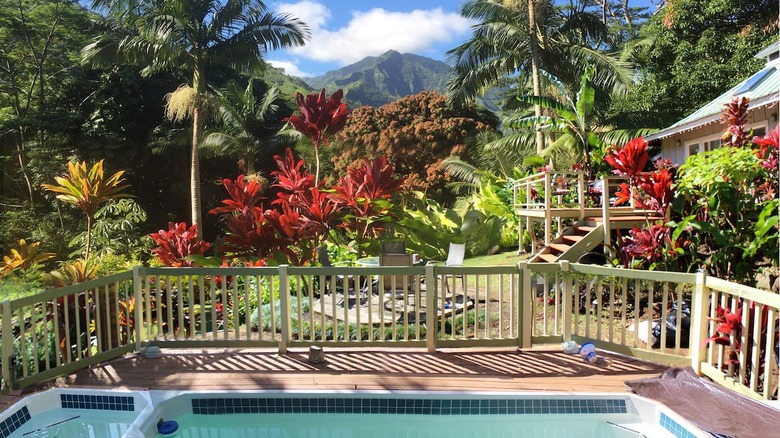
(535, 68)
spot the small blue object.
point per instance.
(167, 427)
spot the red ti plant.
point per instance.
(729, 333)
(768, 152)
(299, 194)
(630, 160)
(651, 245)
(366, 192)
(735, 115)
(623, 194)
(177, 243)
(243, 195)
(320, 118)
(658, 186)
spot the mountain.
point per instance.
(377, 80)
(288, 85)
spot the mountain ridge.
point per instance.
(378, 80)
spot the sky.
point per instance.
(346, 31)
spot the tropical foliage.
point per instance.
(320, 119)
(416, 134)
(192, 35)
(248, 125)
(23, 258)
(723, 205)
(87, 190)
(730, 200)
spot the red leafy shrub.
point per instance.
(320, 118)
(768, 151)
(243, 195)
(736, 117)
(646, 244)
(658, 186)
(630, 160)
(293, 180)
(177, 243)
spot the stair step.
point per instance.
(574, 238)
(547, 257)
(584, 228)
(560, 247)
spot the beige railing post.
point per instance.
(605, 212)
(8, 346)
(700, 308)
(284, 307)
(431, 324)
(139, 301)
(547, 207)
(527, 296)
(566, 302)
(581, 193)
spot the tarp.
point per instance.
(722, 412)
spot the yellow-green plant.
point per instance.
(73, 272)
(24, 258)
(87, 189)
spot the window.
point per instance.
(711, 145)
(693, 149)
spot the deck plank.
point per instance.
(360, 369)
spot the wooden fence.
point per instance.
(659, 316)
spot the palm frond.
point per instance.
(466, 172)
(623, 136)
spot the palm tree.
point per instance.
(194, 35)
(249, 126)
(506, 42)
(573, 120)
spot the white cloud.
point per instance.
(310, 12)
(373, 32)
(289, 67)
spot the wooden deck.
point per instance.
(352, 369)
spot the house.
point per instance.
(701, 130)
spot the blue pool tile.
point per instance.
(675, 428)
(99, 402)
(353, 405)
(15, 421)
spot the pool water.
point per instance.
(402, 425)
(69, 423)
(74, 413)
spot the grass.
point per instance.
(509, 258)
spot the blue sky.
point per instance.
(346, 31)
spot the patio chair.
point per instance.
(394, 247)
(455, 256)
(324, 258)
(397, 282)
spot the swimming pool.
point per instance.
(75, 413)
(135, 414)
(413, 414)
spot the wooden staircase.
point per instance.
(575, 241)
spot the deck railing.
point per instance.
(552, 197)
(62, 330)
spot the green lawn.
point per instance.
(501, 259)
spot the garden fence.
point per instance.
(659, 316)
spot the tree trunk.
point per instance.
(535, 68)
(197, 128)
(199, 84)
(89, 239)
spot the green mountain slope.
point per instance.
(378, 80)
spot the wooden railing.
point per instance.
(62, 330)
(553, 197)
